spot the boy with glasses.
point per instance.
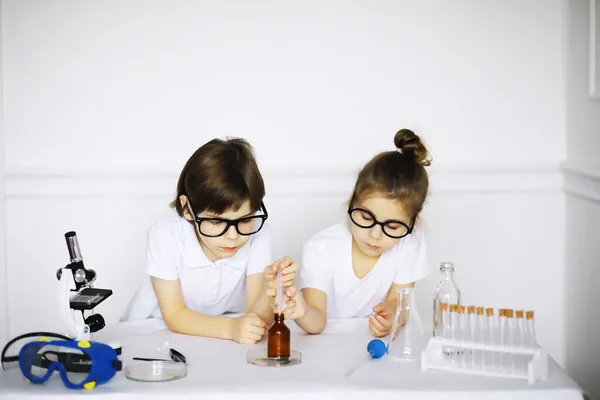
(207, 258)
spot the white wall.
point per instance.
(582, 183)
(583, 319)
(139, 84)
(3, 269)
(583, 113)
(104, 102)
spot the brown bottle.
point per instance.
(278, 339)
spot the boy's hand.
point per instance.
(294, 307)
(288, 269)
(380, 323)
(248, 329)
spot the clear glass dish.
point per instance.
(155, 371)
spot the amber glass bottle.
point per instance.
(278, 339)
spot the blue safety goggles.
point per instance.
(80, 364)
(72, 362)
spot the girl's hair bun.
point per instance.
(410, 144)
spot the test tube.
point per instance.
(531, 339)
(461, 332)
(510, 337)
(481, 335)
(520, 335)
(473, 331)
(460, 311)
(453, 332)
(501, 332)
(491, 338)
(446, 327)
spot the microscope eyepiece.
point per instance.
(73, 247)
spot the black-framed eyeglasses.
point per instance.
(215, 227)
(365, 219)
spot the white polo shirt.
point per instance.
(212, 288)
(327, 266)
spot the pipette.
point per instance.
(279, 292)
(376, 349)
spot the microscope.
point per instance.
(76, 278)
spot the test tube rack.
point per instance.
(434, 357)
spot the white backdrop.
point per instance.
(103, 102)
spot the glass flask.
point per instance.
(446, 292)
(406, 339)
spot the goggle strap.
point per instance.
(4, 358)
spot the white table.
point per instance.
(218, 370)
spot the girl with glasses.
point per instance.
(354, 269)
(207, 257)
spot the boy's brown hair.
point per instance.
(220, 176)
(398, 175)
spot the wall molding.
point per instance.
(43, 182)
(581, 181)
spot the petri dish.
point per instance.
(259, 358)
(155, 371)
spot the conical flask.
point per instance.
(406, 339)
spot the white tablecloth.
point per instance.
(218, 370)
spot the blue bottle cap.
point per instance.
(376, 348)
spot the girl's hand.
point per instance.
(295, 306)
(381, 321)
(288, 269)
